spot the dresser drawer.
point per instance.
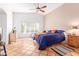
(73, 40)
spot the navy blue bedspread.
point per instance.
(49, 39)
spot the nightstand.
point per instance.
(12, 37)
(73, 40)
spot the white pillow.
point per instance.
(74, 31)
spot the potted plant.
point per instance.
(14, 29)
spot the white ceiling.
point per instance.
(27, 7)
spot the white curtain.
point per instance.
(30, 28)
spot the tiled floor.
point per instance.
(26, 47)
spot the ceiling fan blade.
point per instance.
(42, 10)
(44, 7)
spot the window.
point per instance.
(30, 27)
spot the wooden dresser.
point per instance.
(73, 40)
(12, 37)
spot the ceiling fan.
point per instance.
(40, 8)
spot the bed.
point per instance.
(49, 39)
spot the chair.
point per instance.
(2, 47)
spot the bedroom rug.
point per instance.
(62, 50)
(65, 50)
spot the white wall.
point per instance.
(3, 25)
(7, 23)
(63, 17)
(18, 18)
(0, 20)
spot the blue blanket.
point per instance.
(48, 39)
